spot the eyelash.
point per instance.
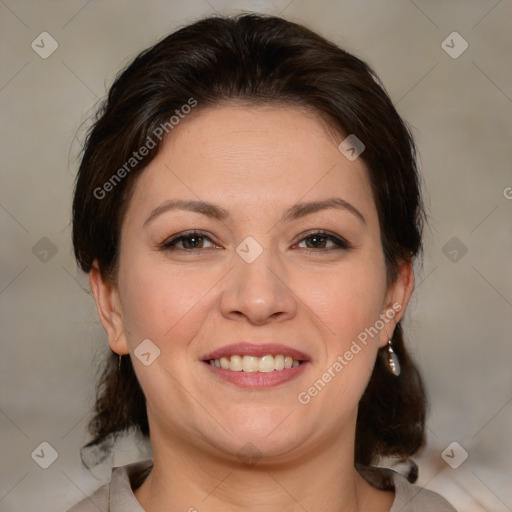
(342, 244)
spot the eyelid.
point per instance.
(185, 234)
(340, 241)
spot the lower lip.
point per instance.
(258, 380)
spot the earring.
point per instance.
(392, 360)
(119, 362)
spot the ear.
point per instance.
(109, 308)
(396, 301)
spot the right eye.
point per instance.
(192, 240)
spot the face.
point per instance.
(257, 273)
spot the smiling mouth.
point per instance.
(266, 364)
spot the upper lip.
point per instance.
(255, 349)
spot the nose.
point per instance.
(258, 292)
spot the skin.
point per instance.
(256, 163)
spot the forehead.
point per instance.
(254, 157)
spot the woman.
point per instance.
(249, 211)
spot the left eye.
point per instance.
(320, 239)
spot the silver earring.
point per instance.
(392, 360)
(119, 362)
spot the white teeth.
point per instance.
(264, 364)
(250, 364)
(235, 364)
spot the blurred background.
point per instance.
(446, 65)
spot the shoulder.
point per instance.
(117, 495)
(412, 498)
(408, 497)
(97, 501)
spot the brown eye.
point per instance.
(188, 241)
(320, 240)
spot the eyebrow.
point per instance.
(295, 212)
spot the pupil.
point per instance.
(315, 240)
(196, 238)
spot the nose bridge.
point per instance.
(256, 287)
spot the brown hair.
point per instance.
(256, 59)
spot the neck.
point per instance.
(185, 478)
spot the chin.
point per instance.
(261, 436)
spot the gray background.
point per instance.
(459, 322)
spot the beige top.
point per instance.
(118, 495)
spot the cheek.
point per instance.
(163, 303)
(348, 315)
(349, 307)
(350, 299)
